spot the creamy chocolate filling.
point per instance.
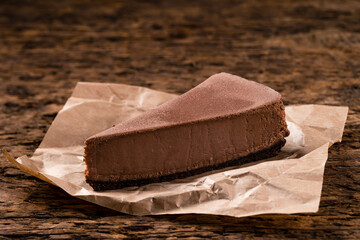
(184, 147)
(224, 118)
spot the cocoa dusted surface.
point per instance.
(221, 95)
(306, 50)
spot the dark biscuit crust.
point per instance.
(266, 153)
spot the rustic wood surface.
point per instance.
(309, 51)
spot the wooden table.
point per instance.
(308, 51)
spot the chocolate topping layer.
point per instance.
(221, 95)
(224, 118)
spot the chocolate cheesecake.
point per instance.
(226, 120)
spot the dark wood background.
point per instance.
(309, 51)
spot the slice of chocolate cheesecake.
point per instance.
(226, 120)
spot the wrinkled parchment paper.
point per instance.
(288, 183)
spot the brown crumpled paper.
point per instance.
(288, 183)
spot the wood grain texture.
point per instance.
(309, 51)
